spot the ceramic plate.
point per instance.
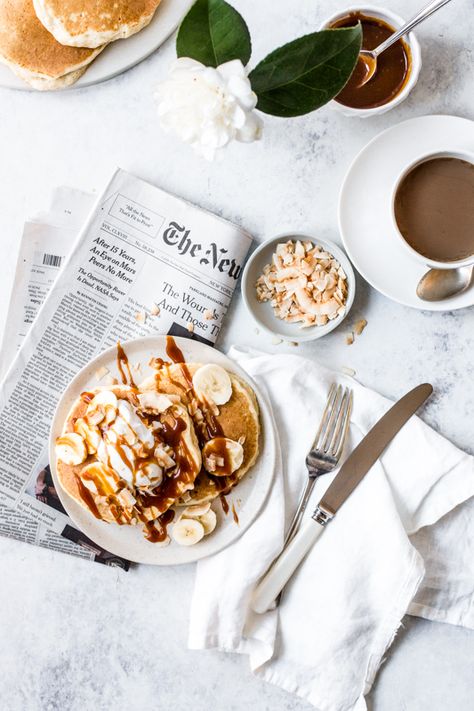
(248, 497)
(123, 54)
(367, 230)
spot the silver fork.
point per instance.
(326, 450)
(327, 446)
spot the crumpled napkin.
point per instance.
(393, 548)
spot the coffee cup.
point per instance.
(432, 209)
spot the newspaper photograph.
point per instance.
(146, 262)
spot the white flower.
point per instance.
(209, 107)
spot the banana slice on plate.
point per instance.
(196, 511)
(187, 531)
(103, 406)
(222, 456)
(71, 449)
(208, 521)
(212, 383)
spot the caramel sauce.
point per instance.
(87, 397)
(157, 531)
(88, 498)
(173, 351)
(224, 504)
(172, 431)
(124, 367)
(176, 355)
(218, 447)
(393, 65)
(235, 515)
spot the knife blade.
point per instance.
(367, 452)
(346, 480)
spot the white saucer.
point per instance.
(248, 497)
(123, 54)
(366, 228)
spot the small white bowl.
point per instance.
(263, 313)
(395, 21)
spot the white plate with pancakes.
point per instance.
(23, 38)
(245, 415)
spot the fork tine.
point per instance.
(338, 445)
(325, 418)
(332, 419)
(339, 420)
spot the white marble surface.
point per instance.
(79, 636)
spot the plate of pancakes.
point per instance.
(162, 450)
(55, 44)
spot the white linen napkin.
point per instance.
(393, 548)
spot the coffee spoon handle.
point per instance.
(422, 15)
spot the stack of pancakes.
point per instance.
(238, 419)
(180, 421)
(50, 43)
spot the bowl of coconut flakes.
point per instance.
(298, 288)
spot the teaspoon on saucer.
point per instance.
(439, 284)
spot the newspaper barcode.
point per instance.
(52, 260)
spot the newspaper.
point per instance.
(141, 250)
(46, 240)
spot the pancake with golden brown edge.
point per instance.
(238, 419)
(91, 23)
(150, 503)
(32, 52)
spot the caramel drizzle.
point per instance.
(123, 366)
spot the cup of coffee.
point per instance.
(433, 209)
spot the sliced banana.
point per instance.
(104, 406)
(71, 449)
(222, 456)
(154, 402)
(208, 521)
(89, 432)
(196, 511)
(187, 531)
(212, 383)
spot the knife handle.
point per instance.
(271, 585)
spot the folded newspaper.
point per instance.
(145, 262)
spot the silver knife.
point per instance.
(349, 476)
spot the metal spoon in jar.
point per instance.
(439, 284)
(369, 56)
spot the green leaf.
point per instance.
(213, 33)
(305, 74)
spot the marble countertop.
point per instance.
(81, 636)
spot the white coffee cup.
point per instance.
(423, 158)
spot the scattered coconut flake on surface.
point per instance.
(155, 310)
(101, 372)
(304, 284)
(209, 315)
(137, 367)
(276, 341)
(350, 339)
(190, 327)
(140, 317)
(348, 371)
(110, 380)
(359, 326)
(257, 331)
